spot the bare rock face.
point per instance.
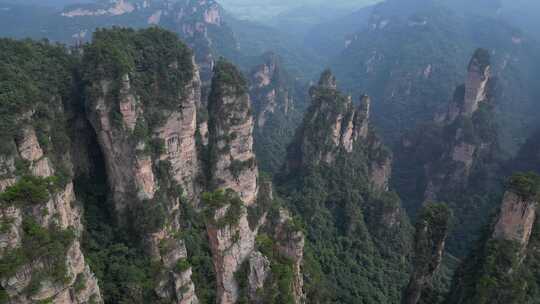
(58, 212)
(235, 180)
(30, 150)
(516, 218)
(274, 95)
(128, 104)
(259, 270)
(178, 133)
(7, 167)
(115, 145)
(184, 288)
(175, 284)
(476, 90)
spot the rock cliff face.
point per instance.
(338, 171)
(465, 134)
(40, 217)
(161, 204)
(333, 125)
(231, 130)
(455, 157)
(233, 169)
(200, 23)
(268, 90)
(145, 123)
(468, 144)
(276, 107)
(512, 238)
(516, 219)
(59, 211)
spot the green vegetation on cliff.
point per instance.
(432, 229)
(35, 80)
(358, 239)
(39, 244)
(527, 185)
(501, 270)
(156, 63)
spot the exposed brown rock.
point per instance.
(516, 218)
(259, 269)
(478, 76)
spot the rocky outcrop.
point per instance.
(200, 24)
(150, 177)
(234, 166)
(40, 215)
(431, 233)
(231, 245)
(290, 243)
(239, 205)
(340, 170)
(152, 165)
(478, 77)
(450, 148)
(467, 144)
(259, 270)
(57, 213)
(516, 218)
(512, 238)
(269, 90)
(456, 156)
(333, 125)
(276, 107)
(233, 169)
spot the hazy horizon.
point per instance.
(245, 9)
